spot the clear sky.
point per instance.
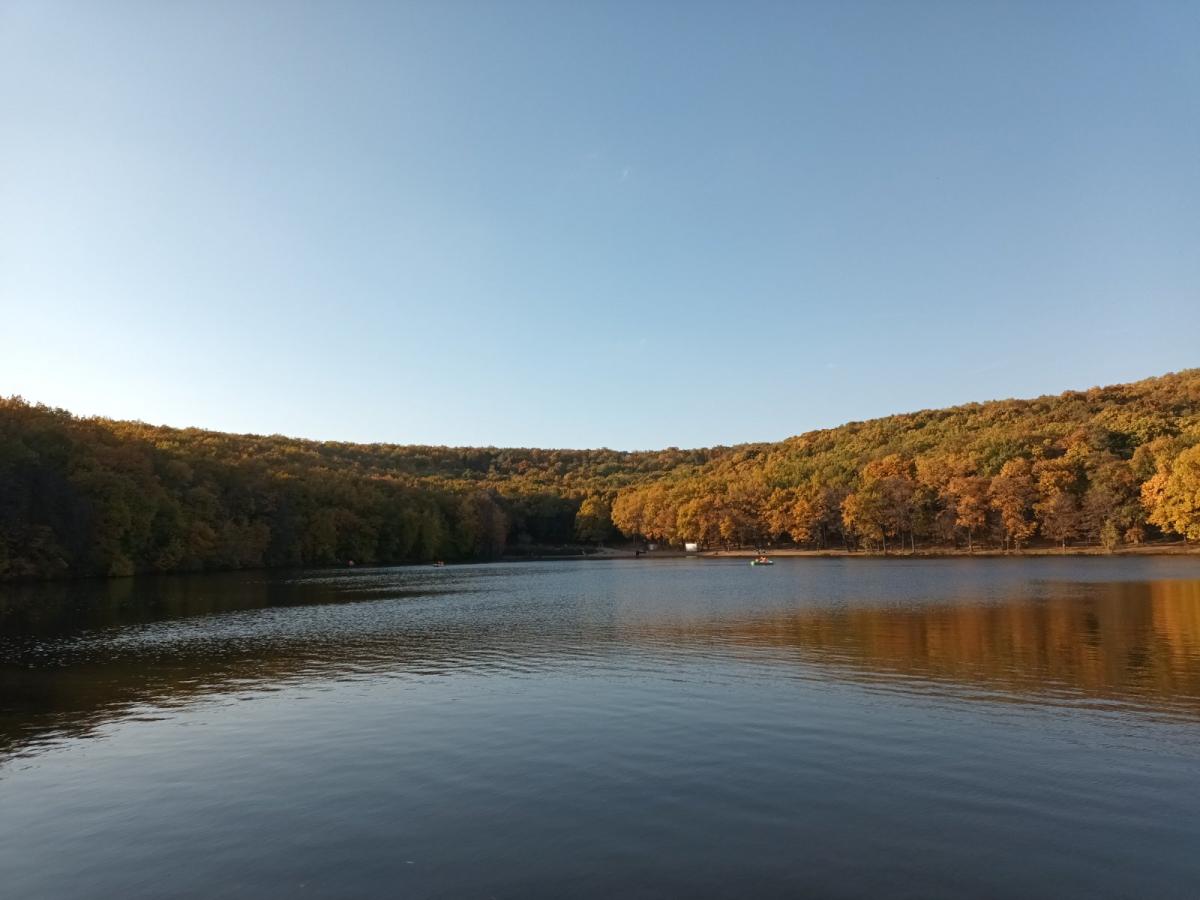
(632, 225)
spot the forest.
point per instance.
(1109, 466)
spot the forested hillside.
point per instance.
(97, 497)
(94, 497)
(1110, 465)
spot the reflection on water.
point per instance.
(1138, 643)
(75, 655)
(674, 728)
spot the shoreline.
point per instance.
(1179, 548)
(936, 553)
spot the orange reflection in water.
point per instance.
(1137, 642)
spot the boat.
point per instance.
(761, 561)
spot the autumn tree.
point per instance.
(864, 513)
(1111, 502)
(1012, 495)
(697, 520)
(1172, 495)
(802, 513)
(593, 522)
(969, 498)
(628, 513)
(1059, 517)
(1057, 506)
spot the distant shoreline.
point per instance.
(1178, 548)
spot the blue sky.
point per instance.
(595, 224)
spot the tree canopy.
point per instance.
(1108, 465)
(92, 496)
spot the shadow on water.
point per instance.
(76, 656)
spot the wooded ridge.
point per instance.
(91, 496)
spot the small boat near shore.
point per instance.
(762, 561)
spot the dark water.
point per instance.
(825, 728)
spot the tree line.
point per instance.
(92, 496)
(1110, 466)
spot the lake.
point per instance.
(664, 728)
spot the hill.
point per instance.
(92, 496)
(1109, 465)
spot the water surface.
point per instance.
(830, 728)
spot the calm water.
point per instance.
(825, 728)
